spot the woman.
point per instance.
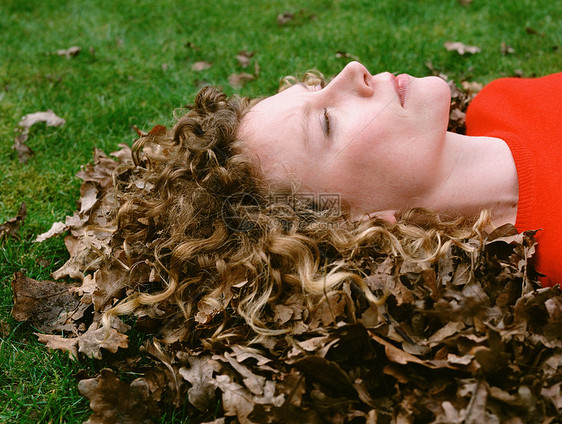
(381, 143)
(233, 198)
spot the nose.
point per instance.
(355, 77)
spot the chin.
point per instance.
(431, 97)
(439, 87)
(440, 94)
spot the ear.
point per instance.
(389, 216)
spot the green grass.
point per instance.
(135, 68)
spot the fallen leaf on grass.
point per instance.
(45, 303)
(239, 80)
(243, 57)
(91, 342)
(346, 55)
(284, 18)
(461, 48)
(70, 52)
(298, 18)
(56, 229)
(114, 401)
(201, 66)
(49, 117)
(191, 45)
(533, 31)
(23, 150)
(56, 342)
(10, 228)
(506, 49)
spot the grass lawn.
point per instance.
(135, 67)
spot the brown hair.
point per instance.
(198, 229)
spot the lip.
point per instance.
(400, 85)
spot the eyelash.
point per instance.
(326, 113)
(327, 120)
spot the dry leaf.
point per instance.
(52, 120)
(44, 303)
(201, 394)
(238, 81)
(346, 55)
(110, 284)
(506, 49)
(284, 18)
(66, 344)
(533, 31)
(70, 52)
(56, 229)
(300, 17)
(113, 401)
(243, 57)
(201, 66)
(92, 341)
(237, 401)
(472, 87)
(86, 290)
(10, 228)
(460, 48)
(139, 132)
(23, 150)
(455, 340)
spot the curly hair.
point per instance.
(197, 224)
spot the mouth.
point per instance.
(400, 84)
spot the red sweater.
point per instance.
(527, 115)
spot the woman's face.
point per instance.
(374, 140)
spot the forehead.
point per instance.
(275, 120)
(276, 109)
(272, 131)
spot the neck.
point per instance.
(478, 173)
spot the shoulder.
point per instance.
(512, 99)
(523, 87)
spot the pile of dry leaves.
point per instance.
(448, 345)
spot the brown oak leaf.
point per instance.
(10, 228)
(46, 304)
(201, 394)
(114, 401)
(23, 150)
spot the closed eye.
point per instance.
(327, 123)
